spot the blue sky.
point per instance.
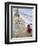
(26, 11)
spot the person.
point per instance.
(29, 30)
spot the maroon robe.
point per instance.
(29, 29)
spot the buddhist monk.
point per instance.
(29, 30)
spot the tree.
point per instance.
(17, 12)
